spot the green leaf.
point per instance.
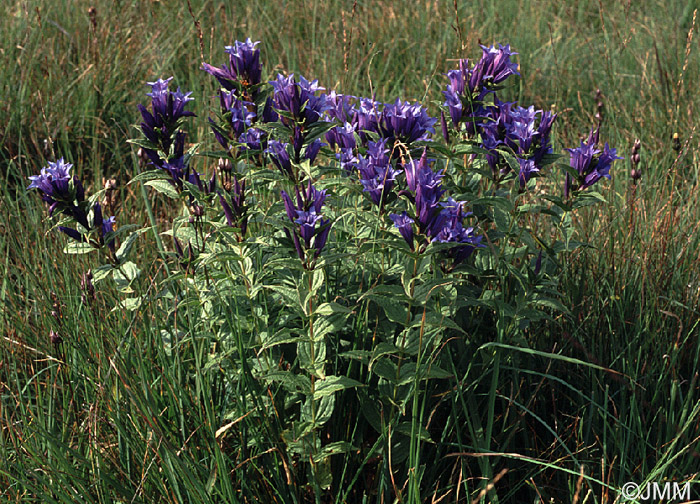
(294, 383)
(324, 410)
(312, 363)
(132, 304)
(335, 448)
(124, 275)
(406, 429)
(510, 159)
(552, 304)
(331, 384)
(78, 248)
(126, 246)
(100, 273)
(281, 337)
(392, 299)
(289, 295)
(384, 368)
(331, 308)
(143, 142)
(150, 175)
(164, 187)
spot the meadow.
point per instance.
(554, 358)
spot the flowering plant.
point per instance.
(341, 253)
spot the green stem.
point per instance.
(152, 220)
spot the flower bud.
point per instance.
(635, 158)
(143, 158)
(225, 165)
(87, 287)
(443, 127)
(197, 210)
(55, 338)
(676, 142)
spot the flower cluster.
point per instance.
(241, 83)
(298, 101)
(376, 173)
(160, 124)
(590, 163)
(165, 142)
(233, 198)
(64, 193)
(405, 122)
(311, 230)
(470, 84)
(523, 131)
(398, 122)
(243, 71)
(500, 126)
(438, 221)
(300, 109)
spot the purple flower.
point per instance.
(523, 131)
(590, 163)
(313, 149)
(405, 226)
(104, 227)
(367, 117)
(168, 106)
(76, 235)
(252, 139)
(459, 234)
(311, 230)
(61, 191)
(443, 127)
(65, 193)
(470, 84)
(405, 122)
(245, 62)
(348, 159)
(299, 99)
(239, 115)
(449, 228)
(427, 186)
(340, 107)
(269, 115)
(236, 212)
(280, 157)
(439, 221)
(307, 225)
(495, 65)
(527, 169)
(342, 136)
(54, 181)
(158, 126)
(244, 66)
(242, 115)
(375, 172)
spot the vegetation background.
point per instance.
(73, 72)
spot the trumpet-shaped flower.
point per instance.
(376, 173)
(159, 125)
(244, 66)
(405, 226)
(405, 122)
(61, 191)
(469, 84)
(311, 230)
(299, 99)
(591, 163)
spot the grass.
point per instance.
(610, 392)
